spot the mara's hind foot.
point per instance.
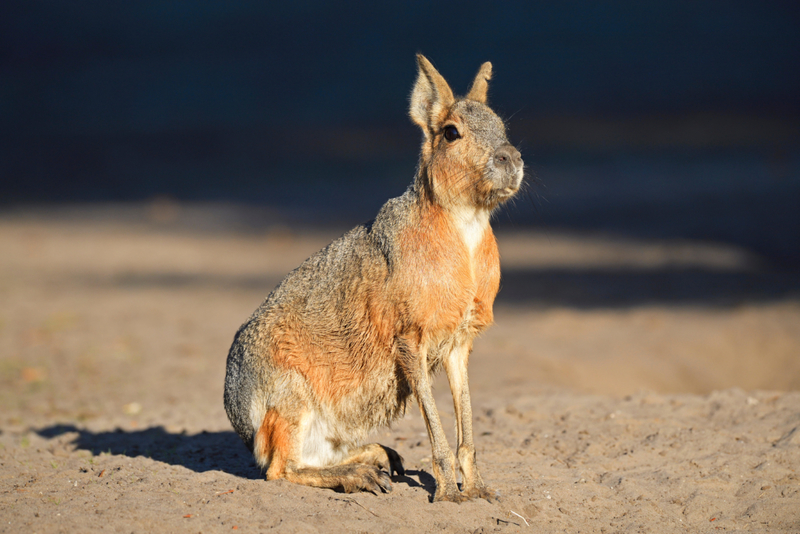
(453, 495)
(380, 456)
(348, 478)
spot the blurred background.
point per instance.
(676, 120)
(164, 164)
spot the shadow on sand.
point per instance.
(578, 287)
(206, 451)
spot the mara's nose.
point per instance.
(509, 156)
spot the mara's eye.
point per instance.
(451, 133)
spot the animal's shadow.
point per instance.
(206, 451)
(426, 481)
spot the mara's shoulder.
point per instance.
(395, 214)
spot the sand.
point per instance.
(627, 386)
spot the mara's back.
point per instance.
(325, 331)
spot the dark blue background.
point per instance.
(672, 119)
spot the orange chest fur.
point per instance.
(442, 283)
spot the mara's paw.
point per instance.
(362, 477)
(482, 493)
(379, 456)
(453, 495)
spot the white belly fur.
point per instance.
(317, 446)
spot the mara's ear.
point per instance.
(430, 98)
(481, 84)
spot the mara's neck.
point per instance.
(470, 222)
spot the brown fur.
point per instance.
(273, 444)
(339, 347)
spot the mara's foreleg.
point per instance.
(455, 365)
(443, 460)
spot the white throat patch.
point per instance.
(472, 224)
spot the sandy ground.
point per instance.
(627, 386)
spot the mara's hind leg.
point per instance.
(345, 477)
(378, 455)
(278, 447)
(365, 469)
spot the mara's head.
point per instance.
(466, 157)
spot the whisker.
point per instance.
(512, 115)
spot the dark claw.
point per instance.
(395, 462)
(385, 482)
